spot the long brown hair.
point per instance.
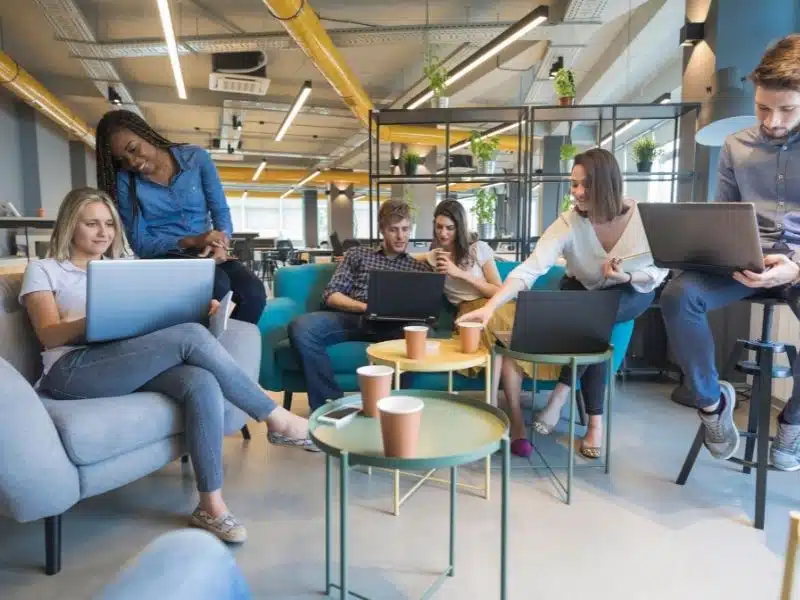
(603, 185)
(454, 210)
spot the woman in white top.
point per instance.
(185, 362)
(594, 236)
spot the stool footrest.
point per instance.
(774, 347)
(750, 463)
(750, 367)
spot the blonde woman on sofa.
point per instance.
(185, 362)
(600, 229)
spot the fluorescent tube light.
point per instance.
(309, 178)
(496, 46)
(172, 46)
(260, 169)
(305, 92)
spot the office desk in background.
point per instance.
(26, 224)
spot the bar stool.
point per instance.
(763, 370)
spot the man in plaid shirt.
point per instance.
(346, 298)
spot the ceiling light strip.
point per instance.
(305, 92)
(172, 46)
(260, 169)
(538, 16)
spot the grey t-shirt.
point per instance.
(68, 285)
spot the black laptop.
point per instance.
(712, 237)
(397, 296)
(562, 322)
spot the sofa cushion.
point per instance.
(97, 429)
(20, 346)
(346, 357)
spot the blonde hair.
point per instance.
(68, 215)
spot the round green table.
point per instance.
(454, 431)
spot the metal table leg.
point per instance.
(506, 444)
(344, 467)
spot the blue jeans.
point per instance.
(312, 333)
(593, 377)
(184, 362)
(182, 565)
(685, 303)
(248, 290)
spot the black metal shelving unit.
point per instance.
(514, 119)
(527, 122)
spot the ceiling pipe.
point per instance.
(30, 91)
(302, 24)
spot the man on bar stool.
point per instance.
(758, 165)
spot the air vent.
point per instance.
(239, 73)
(238, 84)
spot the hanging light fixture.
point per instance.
(298, 103)
(509, 36)
(172, 46)
(728, 110)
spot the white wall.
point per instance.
(55, 176)
(10, 159)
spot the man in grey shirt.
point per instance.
(759, 165)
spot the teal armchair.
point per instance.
(298, 290)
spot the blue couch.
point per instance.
(298, 290)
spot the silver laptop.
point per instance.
(129, 298)
(713, 237)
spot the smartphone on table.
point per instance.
(341, 416)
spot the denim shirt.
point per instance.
(191, 204)
(765, 171)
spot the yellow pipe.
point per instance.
(302, 24)
(23, 85)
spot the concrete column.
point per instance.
(424, 198)
(340, 211)
(552, 192)
(78, 164)
(29, 153)
(311, 217)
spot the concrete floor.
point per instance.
(631, 535)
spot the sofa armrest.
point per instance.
(243, 341)
(37, 479)
(273, 324)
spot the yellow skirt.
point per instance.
(502, 321)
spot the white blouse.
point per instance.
(573, 237)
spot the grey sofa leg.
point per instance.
(245, 432)
(287, 400)
(52, 544)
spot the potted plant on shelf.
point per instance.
(437, 80)
(412, 161)
(644, 151)
(564, 85)
(567, 152)
(484, 211)
(484, 150)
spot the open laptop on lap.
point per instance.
(562, 322)
(410, 296)
(720, 238)
(129, 298)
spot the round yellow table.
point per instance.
(447, 358)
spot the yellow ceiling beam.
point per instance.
(302, 24)
(290, 176)
(29, 90)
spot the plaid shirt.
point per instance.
(352, 275)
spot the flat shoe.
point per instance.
(226, 527)
(278, 439)
(540, 427)
(592, 452)
(521, 447)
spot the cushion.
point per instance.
(97, 429)
(20, 346)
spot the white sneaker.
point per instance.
(721, 435)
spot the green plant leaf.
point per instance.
(484, 207)
(564, 83)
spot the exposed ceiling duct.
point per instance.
(69, 23)
(30, 91)
(471, 33)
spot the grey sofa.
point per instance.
(58, 452)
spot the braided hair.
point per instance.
(107, 167)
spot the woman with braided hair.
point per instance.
(172, 203)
